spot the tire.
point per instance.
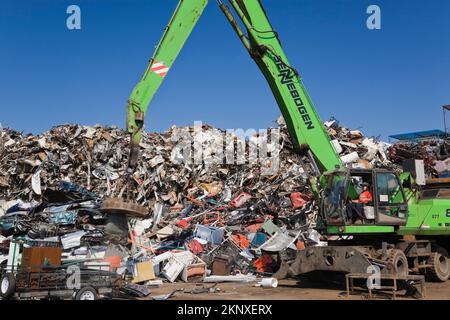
(440, 266)
(7, 285)
(86, 293)
(398, 263)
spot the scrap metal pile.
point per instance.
(356, 150)
(435, 154)
(207, 220)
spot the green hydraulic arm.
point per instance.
(175, 35)
(262, 43)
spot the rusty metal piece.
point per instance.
(335, 258)
(133, 159)
(116, 205)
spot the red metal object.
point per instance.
(213, 217)
(240, 200)
(300, 245)
(195, 201)
(195, 247)
(114, 262)
(263, 263)
(298, 200)
(240, 240)
(184, 223)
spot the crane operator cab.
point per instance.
(363, 197)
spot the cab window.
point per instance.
(389, 191)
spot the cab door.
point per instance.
(390, 201)
(333, 201)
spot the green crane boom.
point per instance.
(262, 43)
(175, 35)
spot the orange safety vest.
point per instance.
(365, 197)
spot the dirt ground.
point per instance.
(288, 290)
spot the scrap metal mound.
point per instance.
(434, 151)
(96, 158)
(66, 186)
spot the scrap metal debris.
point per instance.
(433, 150)
(200, 222)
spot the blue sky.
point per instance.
(384, 82)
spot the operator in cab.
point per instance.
(355, 209)
(365, 196)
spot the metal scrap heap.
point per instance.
(206, 220)
(435, 153)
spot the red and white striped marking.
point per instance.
(159, 68)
